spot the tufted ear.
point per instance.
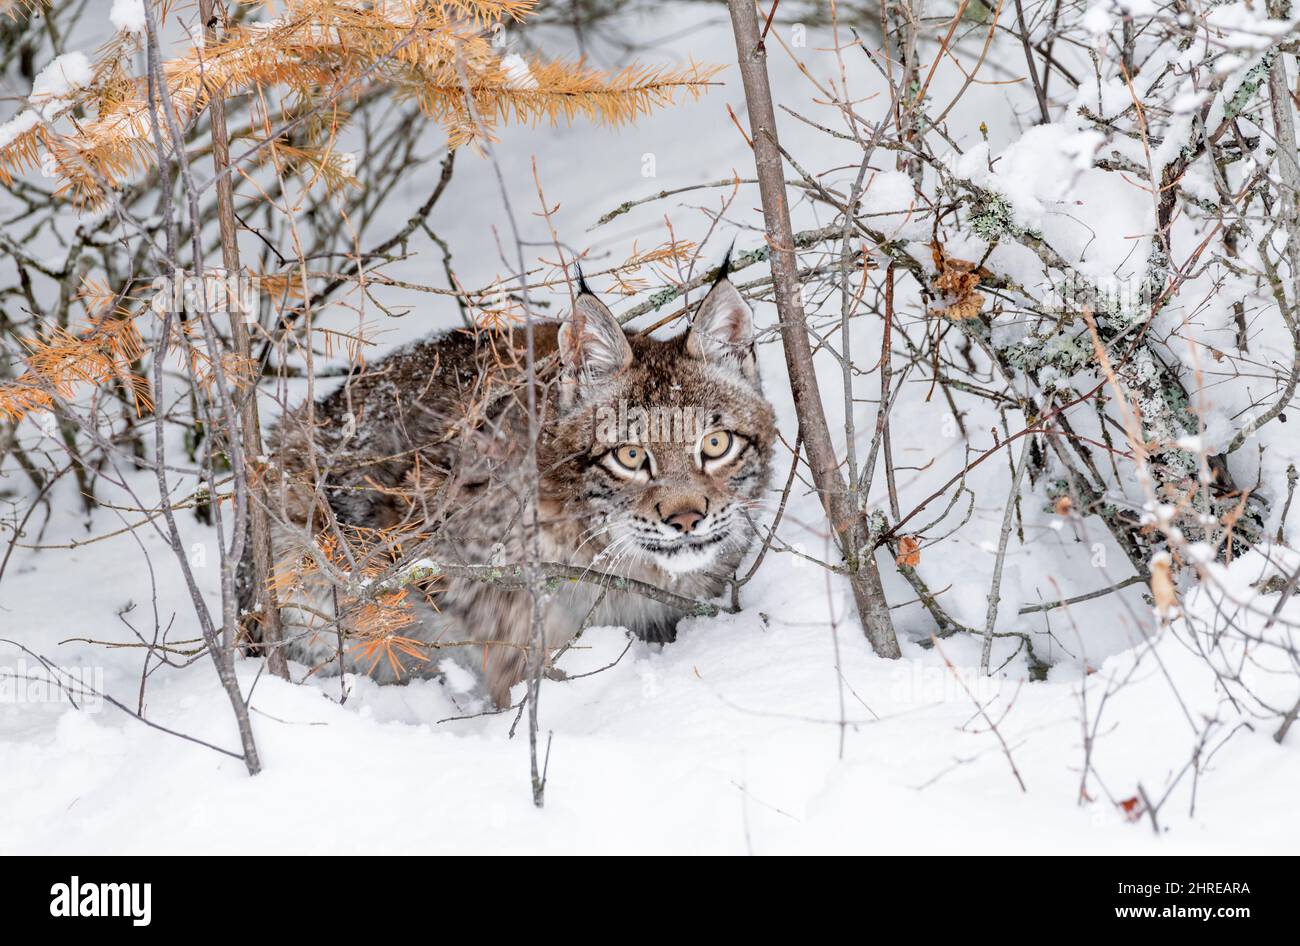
(723, 329)
(592, 344)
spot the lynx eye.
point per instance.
(716, 445)
(631, 456)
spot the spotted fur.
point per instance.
(431, 444)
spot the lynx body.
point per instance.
(650, 456)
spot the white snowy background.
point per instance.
(743, 736)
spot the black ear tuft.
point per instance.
(724, 271)
(582, 281)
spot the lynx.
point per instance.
(650, 456)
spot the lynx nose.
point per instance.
(685, 521)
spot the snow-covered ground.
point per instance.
(771, 730)
(737, 738)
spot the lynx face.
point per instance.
(662, 446)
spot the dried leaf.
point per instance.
(96, 295)
(1162, 584)
(1064, 506)
(1133, 808)
(62, 360)
(956, 282)
(968, 308)
(909, 551)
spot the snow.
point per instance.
(519, 74)
(1189, 101)
(726, 742)
(1098, 19)
(1244, 25)
(346, 162)
(1034, 172)
(63, 76)
(20, 124)
(889, 205)
(128, 16)
(1107, 98)
(1139, 8)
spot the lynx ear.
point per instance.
(723, 329)
(592, 343)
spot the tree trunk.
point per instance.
(259, 532)
(845, 518)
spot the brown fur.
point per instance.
(431, 444)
